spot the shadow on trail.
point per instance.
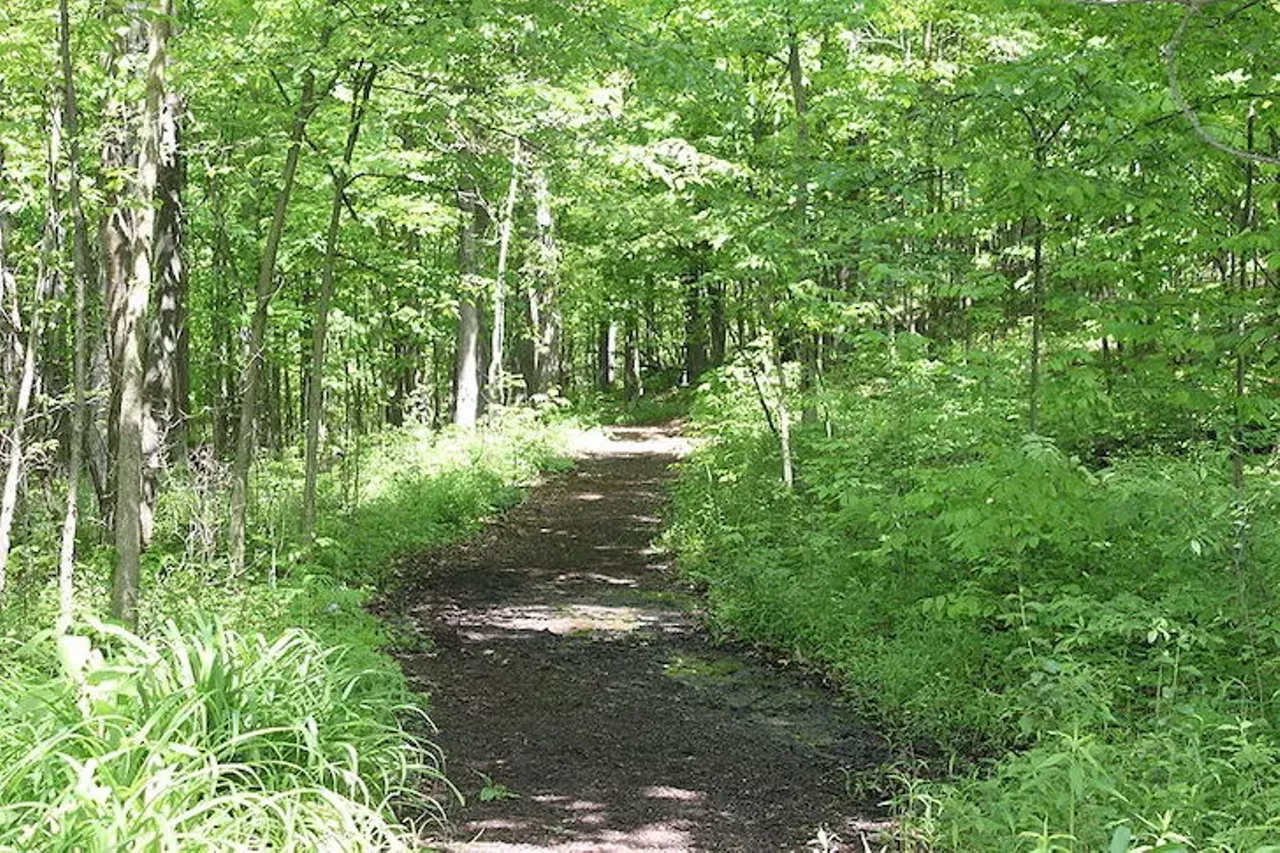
(571, 679)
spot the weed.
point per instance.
(491, 791)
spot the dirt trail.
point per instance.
(569, 669)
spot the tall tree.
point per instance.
(264, 293)
(80, 283)
(131, 331)
(466, 371)
(498, 331)
(341, 176)
(48, 271)
(546, 322)
(164, 430)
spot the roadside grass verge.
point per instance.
(1066, 656)
(256, 710)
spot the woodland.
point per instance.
(971, 305)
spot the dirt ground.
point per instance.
(583, 708)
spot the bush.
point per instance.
(1095, 646)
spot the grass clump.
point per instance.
(204, 739)
(256, 710)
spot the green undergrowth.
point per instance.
(1067, 656)
(199, 738)
(653, 407)
(256, 710)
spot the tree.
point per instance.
(131, 327)
(341, 175)
(70, 115)
(308, 101)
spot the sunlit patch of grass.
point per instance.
(204, 739)
(254, 710)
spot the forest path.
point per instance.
(569, 669)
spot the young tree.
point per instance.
(80, 282)
(265, 291)
(466, 375)
(496, 381)
(363, 81)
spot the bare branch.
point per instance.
(1170, 54)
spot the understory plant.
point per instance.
(204, 739)
(255, 710)
(1082, 653)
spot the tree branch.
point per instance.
(1170, 54)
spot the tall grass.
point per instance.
(203, 739)
(253, 711)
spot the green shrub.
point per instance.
(1095, 646)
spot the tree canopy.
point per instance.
(235, 236)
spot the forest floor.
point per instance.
(583, 707)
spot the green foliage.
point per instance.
(655, 408)
(203, 739)
(493, 792)
(1091, 642)
(897, 198)
(407, 491)
(257, 711)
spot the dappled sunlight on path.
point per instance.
(581, 704)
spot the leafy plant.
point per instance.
(492, 792)
(1081, 643)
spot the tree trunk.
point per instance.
(271, 399)
(544, 310)
(223, 362)
(719, 332)
(741, 294)
(288, 426)
(1239, 367)
(498, 332)
(775, 365)
(12, 355)
(606, 336)
(1037, 321)
(466, 376)
(131, 333)
(695, 331)
(651, 344)
(9, 501)
(800, 103)
(263, 295)
(80, 276)
(633, 381)
(51, 248)
(130, 50)
(97, 428)
(162, 414)
(437, 384)
(320, 325)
